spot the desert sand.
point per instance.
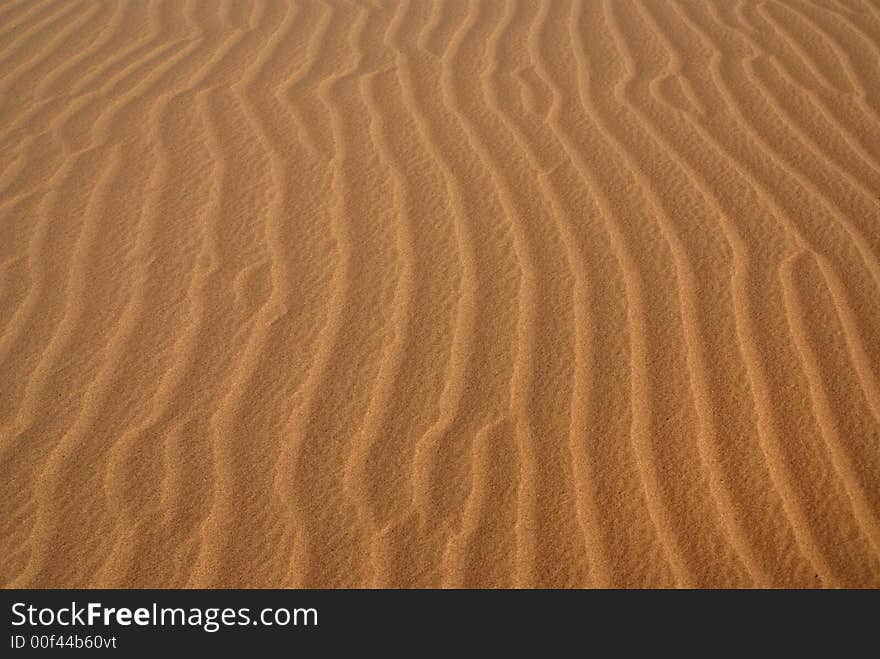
(440, 294)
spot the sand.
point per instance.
(451, 294)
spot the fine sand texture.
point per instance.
(440, 294)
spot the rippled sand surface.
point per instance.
(341, 293)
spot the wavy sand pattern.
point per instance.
(467, 293)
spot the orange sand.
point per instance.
(486, 293)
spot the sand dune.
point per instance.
(488, 293)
